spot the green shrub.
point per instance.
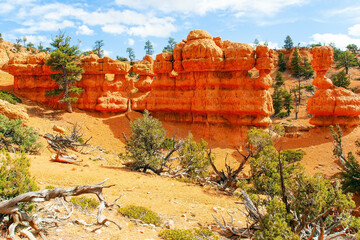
(49, 187)
(15, 177)
(291, 155)
(189, 234)
(142, 213)
(193, 157)
(289, 196)
(309, 88)
(9, 97)
(341, 80)
(14, 135)
(84, 202)
(147, 145)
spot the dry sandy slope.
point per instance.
(170, 198)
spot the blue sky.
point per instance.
(130, 23)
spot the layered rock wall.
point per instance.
(207, 80)
(32, 80)
(331, 105)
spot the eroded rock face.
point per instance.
(206, 80)
(32, 80)
(331, 105)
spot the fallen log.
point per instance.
(11, 207)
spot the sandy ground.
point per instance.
(185, 204)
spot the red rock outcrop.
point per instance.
(105, 84)
(32, 80)
(32, 77)
(331, 105)
(207, 80)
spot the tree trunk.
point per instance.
(69, 107)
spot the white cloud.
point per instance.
(115, 29)
(107, 53)
(201, 7)
(36, 39)
(131, 42)
(340, 40)
(354, 30)
(84, 30)
(54, 16)
(155, 27)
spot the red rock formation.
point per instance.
(32, 77)
(206, 80)
(32, 80)
(331, 105)
(102, 93)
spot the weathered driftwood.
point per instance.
(11, 207)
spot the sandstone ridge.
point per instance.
(204, 80)
(207, 80)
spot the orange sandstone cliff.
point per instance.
(331, 105)
(207, 80)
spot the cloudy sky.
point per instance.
(130, 23)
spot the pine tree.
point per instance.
(346, 60)
(295, 64)
(282, 63)
(307, 70)
(149, 49)
(277, 100)
(341, 80)
(131, 53)
(64, 59)
(287, 102)
(279, 79)
(288, 43)
(352, 48)
(98, 48)
(170, 46)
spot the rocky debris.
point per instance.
(59, 129)
(13, 111)
(331, 105)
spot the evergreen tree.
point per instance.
(121, 58)
(131, 53)
(41, 48)
(288, 43)
(98, 48)
(287, 102)
(149, 49)
(341, 80)
(337, 51)
(170, 46)
(282, 63)
(24, 40)
(346, 60)
(279, 79)
(256, 42)
(352, 48)
(295, 64)
(64, 59)
(307, 70)
(277, 100)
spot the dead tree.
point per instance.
(61, 143)
(229, 177)
(11, 207)
(247, 232)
